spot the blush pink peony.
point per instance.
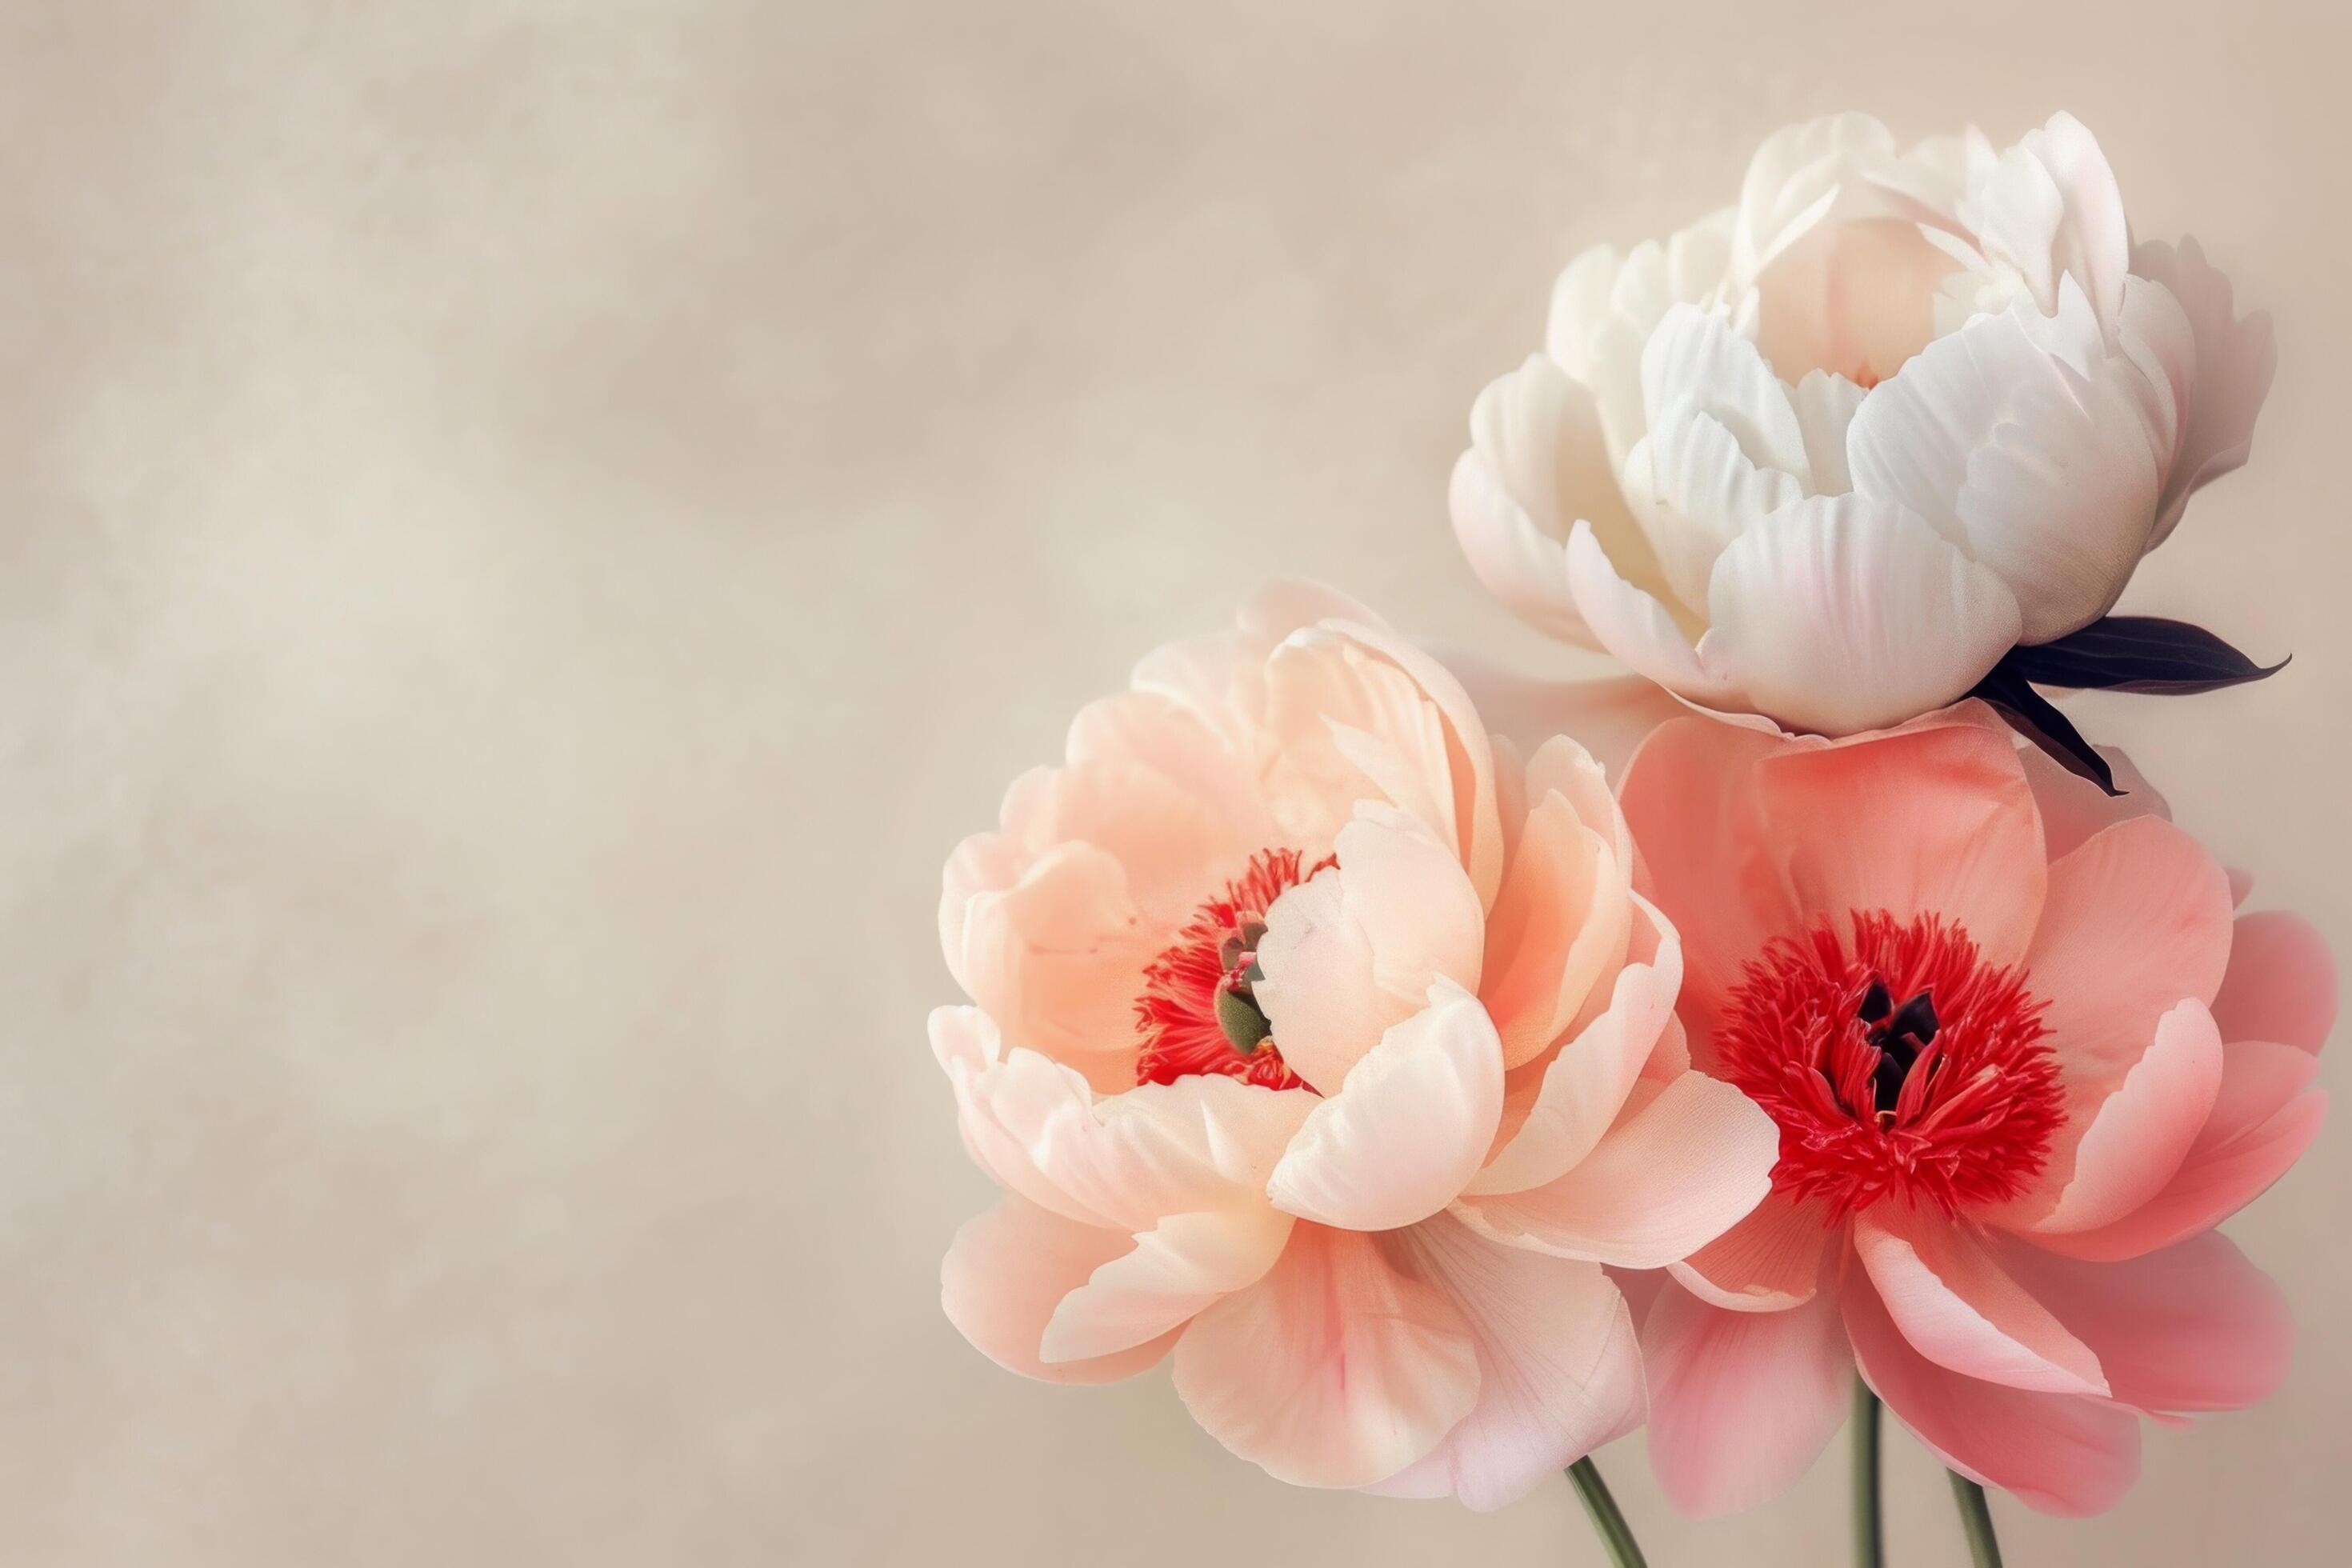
(1324, 1044)
(2023, 1056)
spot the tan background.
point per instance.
(526, 532)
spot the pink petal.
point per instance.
(1407, 1128)
(1769, 1262)
(1355, 949)
(1953, 1301)
(1937, 820)
(2117, 1153)
(1560, 923)
(2215, 1182)
(1556, 1110)
(1559, 1371)
(1055, 955)
(2057, 1453)
(2074, 808)
(2136, 919)
(1741, 1403)
(1176, 1269)
(1124, 1161)
(1683, 1165)
(2194, 1327)
(1334, 1370)
(1476, 829)
(2280, 983)
(2259, 1079)
(1689, 798)
(1006, 1271)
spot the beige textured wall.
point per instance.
(528, 529)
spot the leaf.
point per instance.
(2138, 653)
(2031, 715)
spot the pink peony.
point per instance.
(2022, 1058)
(1322, 1042)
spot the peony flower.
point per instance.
(1324, 1044)
(1831, 454)
(2023, 1058)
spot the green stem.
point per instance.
(1869, 1531)
(1607, 1522)
(1975, 1519)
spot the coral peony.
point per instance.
(1828, 455)
(1324, 1043)
(2022, 1058)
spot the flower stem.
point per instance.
(1607, 1522)
(1869, 1533)
(1975, 1519)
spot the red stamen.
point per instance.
(1899, 1064)
(1178, 1013)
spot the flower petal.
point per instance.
(1124, 1161)
(2043, 469)
(1741, 1403)
(1559, 1372)
(1408, 1127)
(1560, 923)
(1556, 1110)
(2194, 1327)
(1354, 949)
(1609, 717)
(1953, 1301)
(2235, 361)
(1006, 1271)
(2057, 1453)
(1634, 626)
(1769, 1262)
(1935, 820)
(1846, 613)
(2280, 984)
(1683, 1164)
(1334, 1370)
(1176, 1269)
(2135, 920)
(1537, 462)
(2119, 1150)
(1689, 798)
(2223, 1174)
(1052, 948)
(2074, 808)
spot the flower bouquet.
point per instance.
(1449, 1073)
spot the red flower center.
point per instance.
(1897, 1063)
(1198, 1012)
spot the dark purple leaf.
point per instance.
(2138, 653)
(2031, 715)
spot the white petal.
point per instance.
(2235, 361)
(1825, 406)
(1537, 462)
(2044, 475)
(1637, 628)
(1794, 178)
(1694, 360)
(1842, 614)
(1693, 491)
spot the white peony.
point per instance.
(1829, 454)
